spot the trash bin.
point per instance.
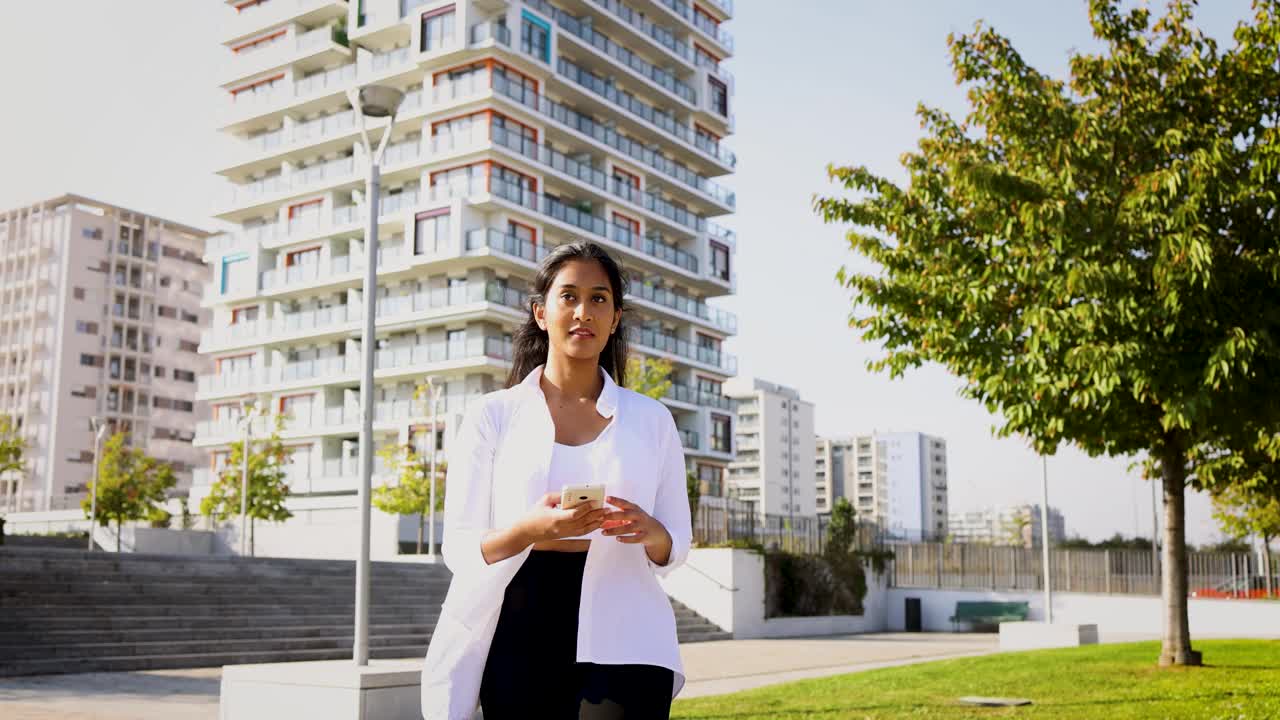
(913, 619)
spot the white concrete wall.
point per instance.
(1111, 613)
(726, 586)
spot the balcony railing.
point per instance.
(501, 242)
(658, 33)
(683, 348)
(688, 438)
(686, 394)
(724, 320)
(587, 34)
(587, 126)
(484, 32)
(662, 120)
(434, 352)
(682, 8)
(596, 177)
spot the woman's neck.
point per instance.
(569, 379)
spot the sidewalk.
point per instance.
(712, 668)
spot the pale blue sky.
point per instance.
(119, 105)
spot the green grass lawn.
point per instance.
(1239, 681)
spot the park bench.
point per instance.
(988, 613)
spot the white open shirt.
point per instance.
(498, 466)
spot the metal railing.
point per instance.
(1131, 572)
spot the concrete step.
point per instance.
(337, 625)
(212, 622)
(130, 663)
(227, 609)
(58, 577)
(335, 639)
(193, 593)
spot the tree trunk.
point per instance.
(1176, 643)
(422, 518)
(118, 531)
(251, 528)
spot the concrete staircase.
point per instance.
(64, 611)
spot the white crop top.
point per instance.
(571, 465)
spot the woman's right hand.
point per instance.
(547, 521)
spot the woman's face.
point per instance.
(581, 311)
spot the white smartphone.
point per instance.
(574, 495)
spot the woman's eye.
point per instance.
(567, 296)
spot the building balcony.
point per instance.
(657, 342)
(408, 360)
(693, 308)
(589, 37)
(665, 123)
(254, 19)
(570, 119)
(309, 50)
(691, 396)
(638, 23)
(685, 12)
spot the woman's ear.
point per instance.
(540, 315)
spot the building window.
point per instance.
(184, 375)
(431, 231)
(719, 261)
(525, 234)
(719, 96)
(244, 315)
(165, 311)
(309, 256)
(438, 28)
(88, 328)
(535, 36)
(189, 346)
(91, 233)
(190, 317)
(235, 273)
(626, 230)
(77, 293)
(91, 360)
(721, 433)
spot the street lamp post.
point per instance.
(99, 429)
(431, 518)
(375, 101)
(246, 419)
(1044, 537)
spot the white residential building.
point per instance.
(774, 462)
(1016, 525)
(524, 125)
(896, 480)
(101, 317)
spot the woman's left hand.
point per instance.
(631, 524)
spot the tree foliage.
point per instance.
(1096, 259)
(267, 487)
(649, 376)
(131, 485)
(13, 447)
(410, 492)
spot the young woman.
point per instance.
(552, 612)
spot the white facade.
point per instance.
(896, 480)
(525, 125)
(1016, 525)
(774, 464)
(102, 317)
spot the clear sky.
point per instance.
(119, 105)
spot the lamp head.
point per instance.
(380, 101)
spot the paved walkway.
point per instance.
(712, 667)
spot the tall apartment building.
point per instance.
(101, 317)
(774, 464)
(896, 480)
(524, 125)
(1017, 525)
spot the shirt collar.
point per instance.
(606, 404)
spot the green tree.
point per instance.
(1242, 511)
(131, 485)
(267, 487)
(1095, 259)
(411, 493)
(649, 376)
(842, 531)
(13, 447)
(693, 486)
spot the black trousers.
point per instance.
(532, 670)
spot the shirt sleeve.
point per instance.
(671, 508)
(468, 490)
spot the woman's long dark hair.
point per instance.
(531, 343)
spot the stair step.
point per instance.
(338, 626)
(190, 647)
(130, 663)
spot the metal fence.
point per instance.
(730, 524)
(990, 567)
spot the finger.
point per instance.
(631, 539)
(619, 502)
(550, 500)
(625, 515)
(620, 529)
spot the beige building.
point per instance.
(1018, 525)
(102, 317)
(774, 462)
(896, 480)
(524, 125)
